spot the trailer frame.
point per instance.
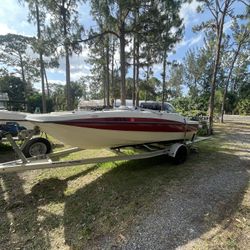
(142, 151)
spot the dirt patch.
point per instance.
(146, 204)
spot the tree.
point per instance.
(77, 91)
(219, 11)
(241, 35)
(13, 54)
(176, 80)
(243, 106)
(144, 51)
(196, 63)
(35, 103)
(197, 67)
(116, 12)
(15, 88)
(170, 32)
(58, 96)
(102, 48)
(240, 83)
(37, 13)
(98, 78)
(64, 29)
(136, 18)
(150, 89)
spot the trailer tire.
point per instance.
(181, 155)
(37, 146)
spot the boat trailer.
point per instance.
(177, 151)
(32, 142)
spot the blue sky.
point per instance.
(13, 19)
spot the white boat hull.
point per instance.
(15, 116)
(88, 138)
(90, 130)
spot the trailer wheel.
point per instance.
(37, 146)
(181, 155)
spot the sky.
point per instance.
(13, 19)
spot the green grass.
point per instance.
(5, 147)
(76, 206)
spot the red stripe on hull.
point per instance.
(130, 124)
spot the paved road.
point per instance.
(237, 118)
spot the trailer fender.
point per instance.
(178, 152)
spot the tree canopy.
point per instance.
(130, 46)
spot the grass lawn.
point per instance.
(98, 206)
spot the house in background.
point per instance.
(4, 98)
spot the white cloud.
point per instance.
(190, 42)
(188, 12)
(4, 29)
(227, 25)
(78, 66)
(57, 82)
(195, 40)
(13, 18)
(157, 68)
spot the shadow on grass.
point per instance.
(149, 202)
(25, 229)
(127, 196)
(4, 147)
(6, 152)
(23, 225)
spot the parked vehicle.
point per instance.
(11, 127)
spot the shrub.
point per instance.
(243, 106)
(203, 131)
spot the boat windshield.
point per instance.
(169, 108)
(157, 106)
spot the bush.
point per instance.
(243, 106)
(203, 131)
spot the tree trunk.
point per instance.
(44, 109)
(112, 72)
(137, 87)
(47, 83)
(104, 79)
(134, 72)
(24, 81)
(227, 82)
(43, 85)
(211, 99)
(68, 87)
(123, 63)
(23, 74)
(215, 70)
(67, 63)
(104, 72)
(164, 79)
(147, 79)
(107, 73)
(135, 61)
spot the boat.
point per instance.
(116, 127)
(15, 116)
(6, 115)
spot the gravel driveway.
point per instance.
(208, 196)
(146, 204)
